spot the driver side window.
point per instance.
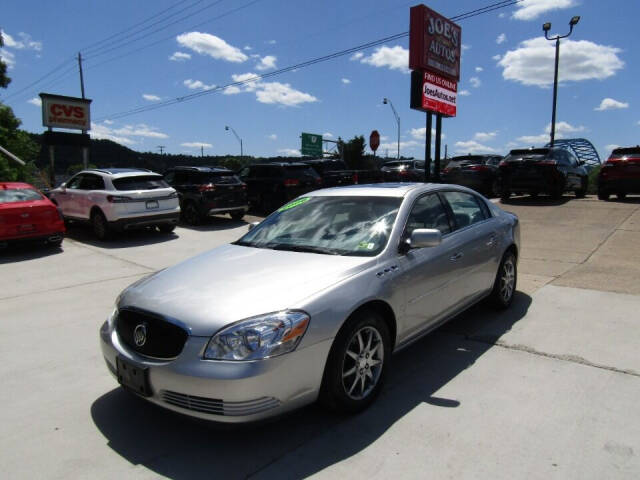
(75, 182)
(428, 212)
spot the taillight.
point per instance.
(446, 170)
(118, 199)
(503, 164)
(209, 187)
(479, 167)
(355, 178)
(547, 162)
(243, 186)
(291, 182)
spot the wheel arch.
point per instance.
(384, 309)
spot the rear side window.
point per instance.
(300, 172)
(428, 212)
(142, 182)
(218, 178)
(91, 182)
(466, 208)
(15, 195)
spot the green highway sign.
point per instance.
(311, 145)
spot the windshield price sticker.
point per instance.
(293, 204)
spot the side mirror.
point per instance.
(425, 237)
(253, 225)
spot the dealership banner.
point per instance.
(433, 93)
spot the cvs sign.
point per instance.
(65, 112)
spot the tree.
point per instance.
(20, 144)
(4, 80)
(353, 152)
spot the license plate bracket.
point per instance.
(151, 204)
(133, 377)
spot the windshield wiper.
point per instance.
(302, 248)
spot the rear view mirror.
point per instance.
(425, 237)
(253, 225)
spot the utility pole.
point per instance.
(161, 147)
(85, 150)
(201, 150)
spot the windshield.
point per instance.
(19, 195)
(140, 182)
(358, 226)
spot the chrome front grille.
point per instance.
(214, 406)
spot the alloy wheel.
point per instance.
(362, 363)
(507, 280)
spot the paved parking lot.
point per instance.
(546, 389)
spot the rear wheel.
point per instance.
(237, 215)
(556, 193)
(603, 194)
(505, 283)
(621, 195)
(191, 214)
(357, 363)
(166, 227)
(100, 226)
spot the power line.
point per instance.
(341, 53)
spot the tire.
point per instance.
(504, 196)
(534, 194)
(237, 215)
(166, 227)
(352, 379)
(556, 193)
(56, 244)
(191, 214)
(505, 283)
(621, 195)
(100, 226)
(582, 191)
(494, 189)
(603, 194)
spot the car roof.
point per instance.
(13, 185)
(384, 189)
(201, 169)
(121, 172)
(279, 164)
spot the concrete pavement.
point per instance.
(546, 389)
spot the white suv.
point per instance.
(118, 199)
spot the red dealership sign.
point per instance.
(433, 93)
(65, 112)
(434, 43)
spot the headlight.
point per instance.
(260, 337)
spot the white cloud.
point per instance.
(562, 129)
(346, 81)
(151, 98)
(394, 58)
(497, 57)
(479, 69)
(196, 145)
(532, 140)
(271, 42)
(532, 63)
(215, 47)
(108, 122)
(501, 15)
(611, 146)
(464, 93)
(485, 136)
(254, 55)
(465, 47)
(420, 133)
(103, 132)
(475, 82)
(532, 9)
(611, 104)
(289, 152)
(8, 58)
(282, 94)
(180, 57)
(247, 48)
(25, 42)
(231, 90)
(35, 101)
(471, 146)
(356, 56)
(266, 63)
(501, 38)
(273, 136)
(404, 145)
(327, 135)
(245, 77)
(197, 84)
(140, 130)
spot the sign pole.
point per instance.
(438, 143)
(427, 149)
(85, 150)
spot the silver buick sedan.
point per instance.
(312, 302)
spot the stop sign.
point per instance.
(374, 140)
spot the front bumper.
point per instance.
(225, 391)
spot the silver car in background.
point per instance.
(312, 302)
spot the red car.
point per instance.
(27, 215)
(620, 174)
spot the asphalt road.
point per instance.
(547, 389)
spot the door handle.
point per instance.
(456, 257)
(491, 241)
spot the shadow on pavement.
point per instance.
(129, 238)
(216, 223)
(311, 438)
(28, 251)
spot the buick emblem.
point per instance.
(140, 334)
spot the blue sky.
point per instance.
(505, 89)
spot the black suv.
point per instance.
(403, 171)
(206, 191)
(270, 185)
(335, 173)
(553, 170)
(479, 172)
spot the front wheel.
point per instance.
(621, 196)
(166, 227)
(505, 283)
(603, 194)
(357, 363)
(191, 214)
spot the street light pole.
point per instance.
(385, 101)
(239, 139)
(546, 27)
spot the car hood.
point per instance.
(231, 283)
